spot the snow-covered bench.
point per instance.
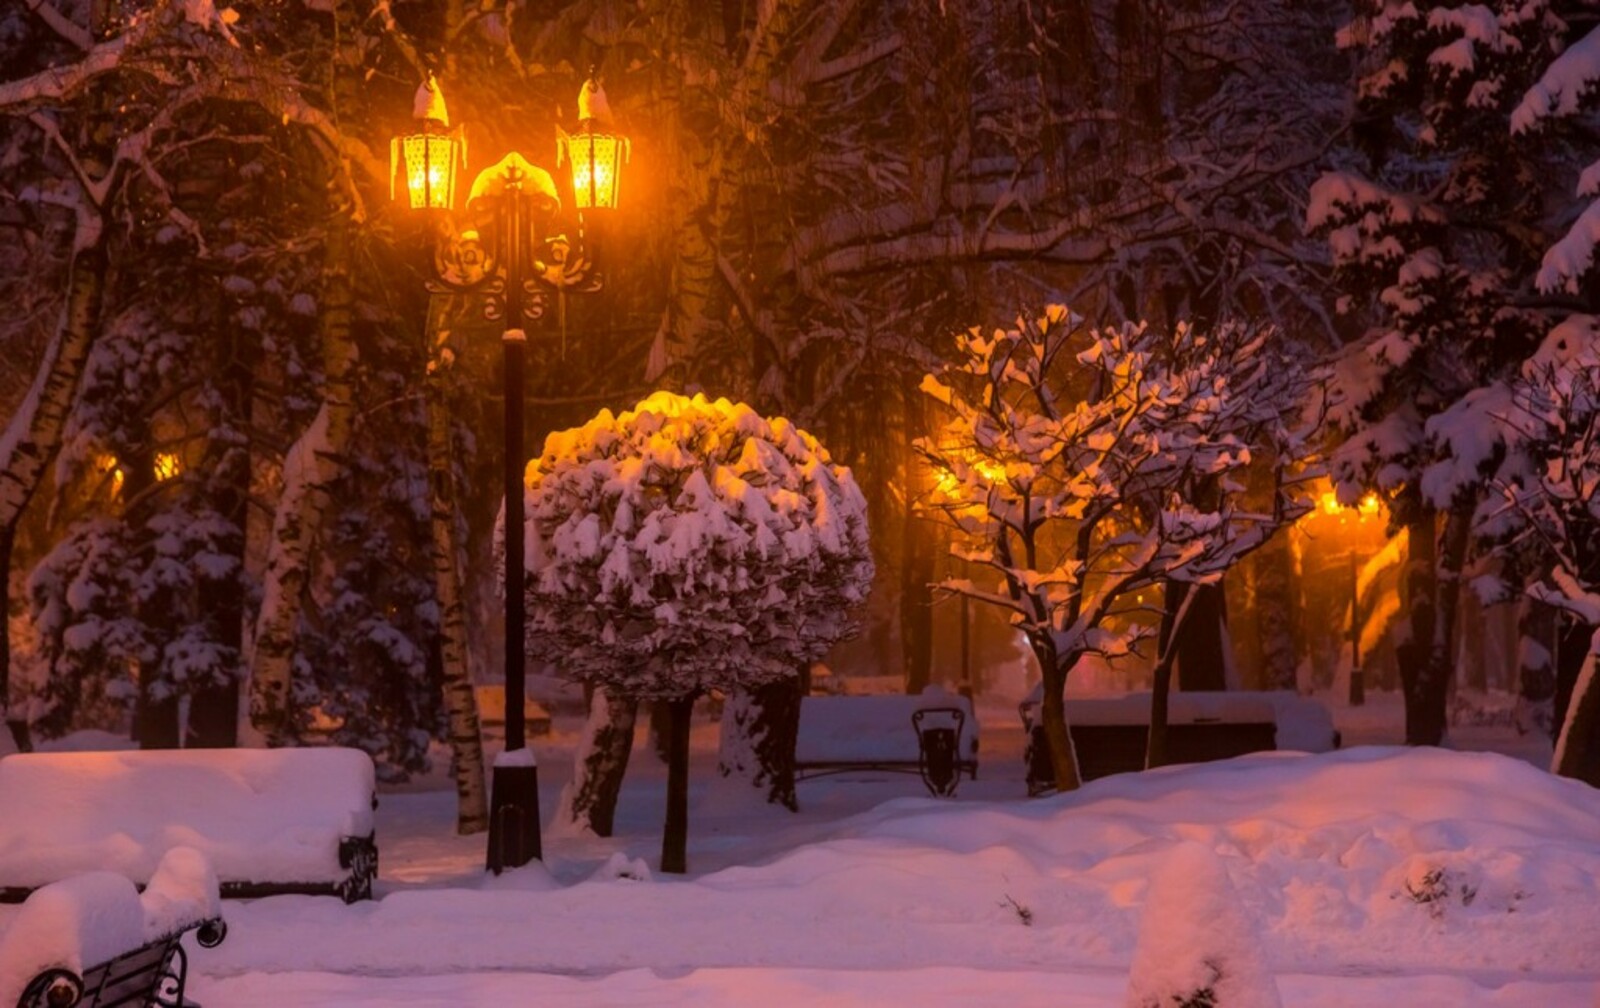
(269, 821)
(93, 940)
(1109, 733)
(933, 733)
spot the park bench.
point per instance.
(933, 734)
(1109, 734)
(270, 821)
(93, 940)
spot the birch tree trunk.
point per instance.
(759, 730)
(309, 466)
(466, 741)
(589, 801)
(1577, 752)
(33, 435)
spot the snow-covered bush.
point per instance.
(1197, 946)
(690, 544)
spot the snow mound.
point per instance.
(1196, 946)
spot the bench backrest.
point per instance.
(842, 729)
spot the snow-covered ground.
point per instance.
(1370, 876)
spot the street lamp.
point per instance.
(509, 255)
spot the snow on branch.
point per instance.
(1562, 89)
(1081, 465)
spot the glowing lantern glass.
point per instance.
(597, 160)
(596, 157)
(431, 159)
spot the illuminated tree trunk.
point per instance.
(33, 435)
(589, 801)
(1577, 752)
(759, 731)
(309, 467)
(1053, 717)
(465, 737)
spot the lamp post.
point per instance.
(509, 255)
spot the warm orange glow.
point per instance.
(430, 161)
(1366, 507)
(949, 484)
(108, 464)
(596, 160)
(166, 466)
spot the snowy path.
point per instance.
(877, 895)
(769, 988)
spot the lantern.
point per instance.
(596, 157)
(431, 158)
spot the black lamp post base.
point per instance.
(514, 817)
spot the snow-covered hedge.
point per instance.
(690, 544)
(258, 815)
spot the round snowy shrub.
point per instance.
(690, 544)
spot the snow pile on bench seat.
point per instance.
(88, 919)
(876, 729)
(258, 815)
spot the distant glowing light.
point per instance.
(1368, 506)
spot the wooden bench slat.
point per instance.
(129, 979)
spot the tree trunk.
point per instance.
(21, 737)
(1201, 642)
(1177, 602)
(460, 702)
(32, 437)
(1275, 605)
(1536, 672)
(1424, 716)
(214, 706)
(309, 467)
(1572, 639)
(759, 731)
(1053, 718)
(1431, 690)
(1577, 752)
(156, 702)
(589, 802)
(675, 836)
